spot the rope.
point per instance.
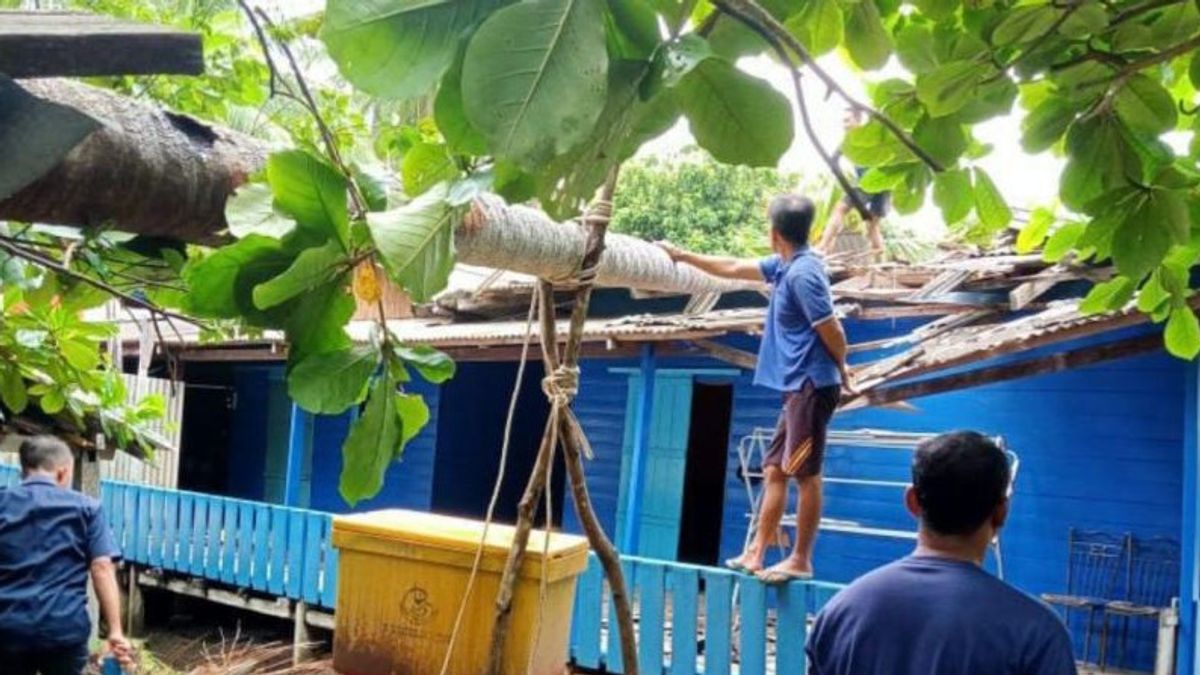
(495, 498)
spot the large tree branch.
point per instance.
(146, 170)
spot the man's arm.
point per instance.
(719, 266)
(833, 336)
(104, 580)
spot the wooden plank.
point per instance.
(684, 583)
(329, 576)
(1020, 297)
(142, 531)
(262, 547)
(155, 551)
(294, 555)
(170, 556)
(72, 44)
(652, 597)
(311, 591)
(737, 357)
(245, 543)
(186, 535)
(718, 622)
(212, 550)
(199, 535)
(753, 614)
(278, 557)
(229, 541)
(115, 509)
(585, 628)
(792, 628)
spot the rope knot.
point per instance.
(561, 385)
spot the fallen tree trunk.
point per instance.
(146, 170)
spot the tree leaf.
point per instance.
(937, 9)
(1024, 24)
(251, 210)
(432, 364)
(909, 195)
(314, 267)
(426, 165)
(1146, 106)
(317, 322)
(213, 281)
(82, 355)
(372, 180)
(1062, 240)
(915, 48)
(1087, 19)
(451, 116)
(1194, 71)
(1097, 159)
(818, 26)
(871, 144)
(867, 41)
(882, 178)
(414, 415)
(398, 48)
(535, 97)
(373, 441)
(989, 203)
(416, 242)
(12, 389)
(1046, 124)
(1170, 209)
(947, 89)
(632, 27)
(1139, 243)
(953, 194)
(35, 135)
(53, 401)
(737, 118)
(1034, 232)
(1153, 294)
(942, 137)
(1182, 335)
(312, 192)
(1108, 295)
(328, 383)
(993, 98)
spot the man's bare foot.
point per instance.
(749, 561)
(787, 570)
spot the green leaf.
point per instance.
(251, 210)
(416, 242)
(398, 48)
(942, 137)
(867, 41)
(1182, 335)
(818, 26)
(372, 181)
(414, 415)
(1034, 232)
(632, 27)
(1108, 295)
(915, 48)
(994, 98)
(882, 178)
(433, 365)
(1098, 157)
(1046, 124)
(312, 192)
(317, 322)
(53, 401)
(12, 390)
(312, 268)
(737, 118)
(1170, 209)
(909, 195)
(329, 383)
(215, 281)
(953, 194)
(451, 116)
(989, 203)
(871, 144)
(1024, 24)
(82, 355)
(1153, 294)
(535, 97)
(676, 59)
(937, 9)
(1146, 106)
(426, 165)
(1062, 240)
(1089, 18)
(947, 89)
(35, 135)
(1140, 244)
(1194, 71)
(373, 441)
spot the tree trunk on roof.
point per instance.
(146, 170)
(153, 172)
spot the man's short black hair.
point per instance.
(792, 217)
(44, 453)
(960, 478)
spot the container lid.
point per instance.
(457, 534)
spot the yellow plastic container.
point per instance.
(403, 574)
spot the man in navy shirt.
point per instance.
(937, 612)
(802, 356)
(50, 539)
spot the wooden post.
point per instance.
(299, 435)
(641, 446)
(301, 638)
(87, 481)
(135, 605)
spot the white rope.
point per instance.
(495, 498)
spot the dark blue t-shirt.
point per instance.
(791, 353)
(48, 538)
(935, 616)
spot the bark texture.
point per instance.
(146, 170)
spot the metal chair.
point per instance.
(1096, 562)
(1151, 582)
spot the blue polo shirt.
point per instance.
(48, 538)
(791, 353)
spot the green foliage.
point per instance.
(738, 118)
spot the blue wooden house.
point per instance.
(1103, 421)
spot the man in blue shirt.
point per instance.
(937, 612)
(50, 539)
(803, 356)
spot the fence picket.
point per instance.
(330, 574)
(753, 614)
(651, 596)
(718, 622)
(262, 547)
(684, 583)
(792, 612)
(585, 629)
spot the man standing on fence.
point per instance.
(802, 356)
(937, 612)
(51, 538)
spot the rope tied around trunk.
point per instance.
(561, 385)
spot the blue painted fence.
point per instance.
(693, 620)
